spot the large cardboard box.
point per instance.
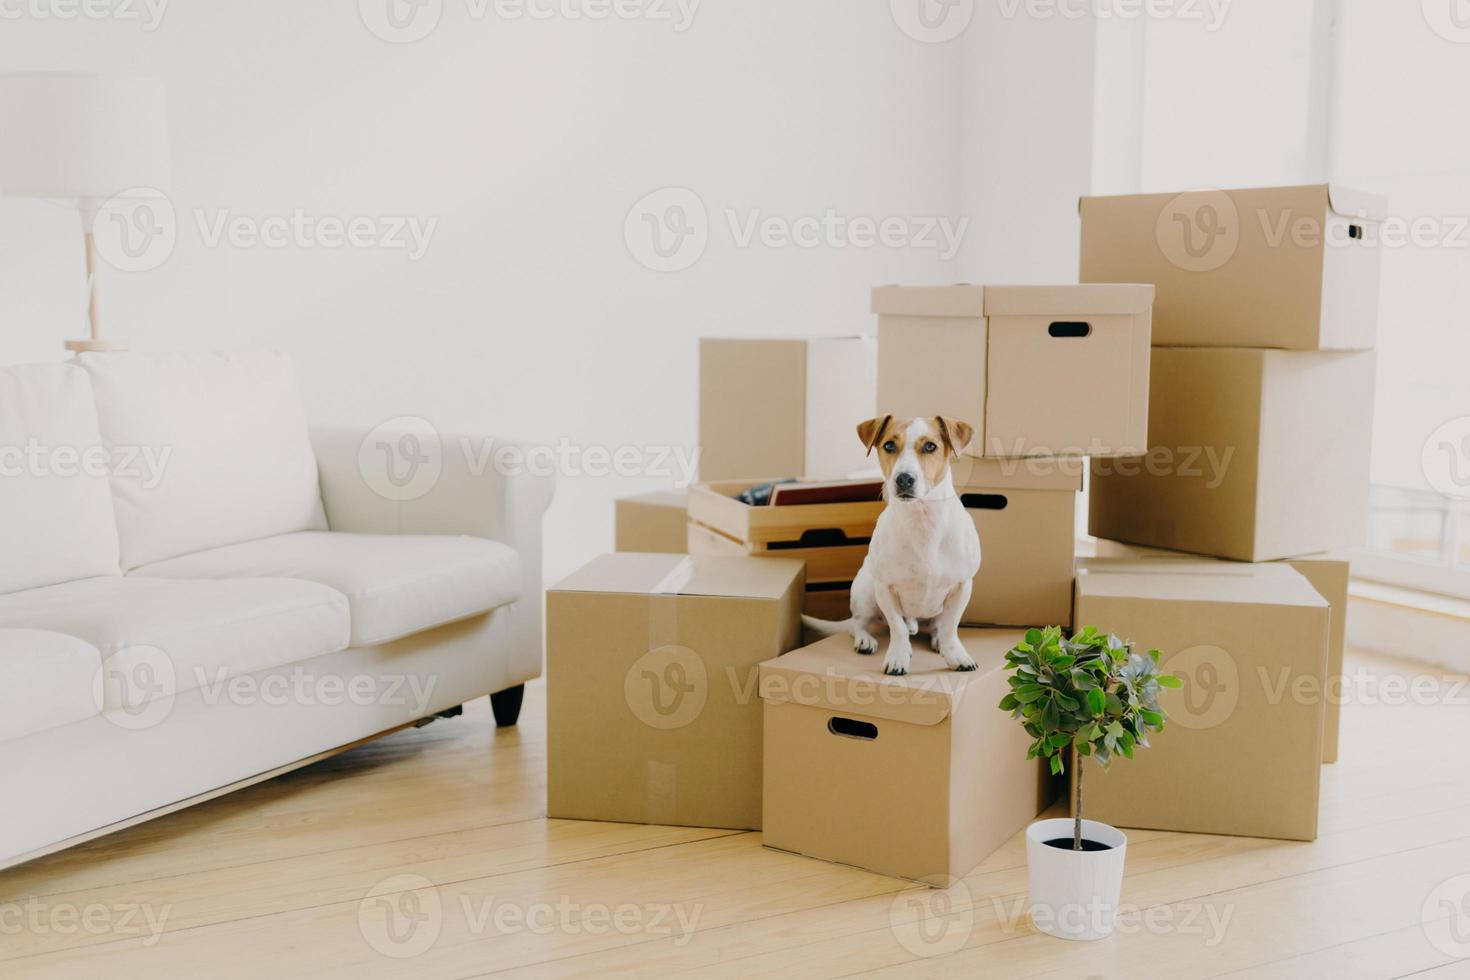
(1330, 577)
(832, 539)
(1241, 753)
(784, 408)
(1292, 267)
(1025, 512)
(651, 673)
(653, 523)
(1037, 370)
(918, 777)
(1255, 455)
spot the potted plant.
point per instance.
(1094, 695)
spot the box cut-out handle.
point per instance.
(1355, 231)
(1063, 329)
(818, 537)
(984, 501)
(852, 728)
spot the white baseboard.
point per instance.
(1408, 624)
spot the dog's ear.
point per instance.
(871, 432)
(956, 434)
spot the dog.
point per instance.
(924, 553)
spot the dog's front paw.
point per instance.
(956, 657)
(865, 643)
(913, 625)
(896, 663)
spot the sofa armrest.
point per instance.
(473, 485)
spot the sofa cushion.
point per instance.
(397, 584)
(238, 464)
(45, 681)
(56, 521)
(165, 636)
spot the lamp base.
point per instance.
(96, 346)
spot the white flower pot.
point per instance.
(1074, 894)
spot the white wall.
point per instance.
(529, 141)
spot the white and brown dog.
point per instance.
(924, 553)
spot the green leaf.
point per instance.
(1033, 637)
(1009, 703)
(1060, 739)
(1096, 701)
(1056, 765)
(1061, 663)
(1029, 693)
(1169, 680)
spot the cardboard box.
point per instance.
(1241, 753)
(984, 354)
(651, 673)
(1292, 267)
(653, 523)
(832, 539)
(784, 408)
(1025, 512)
(918, 777)
(1256, 455)
(1330, 577)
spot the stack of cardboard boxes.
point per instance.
(1260, 430)
(1226, 419)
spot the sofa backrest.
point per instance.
(221, 445)
(56, 520)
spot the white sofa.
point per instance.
(197, 592)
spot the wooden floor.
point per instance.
(427, 854)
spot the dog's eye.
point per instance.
(890, 446)
(930, 447)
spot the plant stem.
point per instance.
(1077, 823)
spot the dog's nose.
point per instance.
(904, 482)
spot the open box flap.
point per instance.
(831, 676)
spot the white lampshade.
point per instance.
(82, 137)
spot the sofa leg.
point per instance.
(506, 705)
